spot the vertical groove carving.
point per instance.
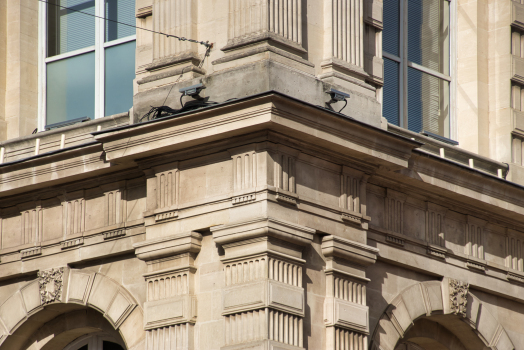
(176, 17)
(251, 17)
(435, 216)
(349, 340)
(244, 171)
(285, 328)
(347, 31)
(246, 326)
(167, 188)
(517, 43)
(168, 338)
(245, 271)
(167, 286)
(474, 246)
(394, 214)
(350, 193)
(349, 290)
(515, 258)
(285, 272)
(285, 173)
(75, 216)
(31, 225)
(114, 207)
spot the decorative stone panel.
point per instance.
(263, 303)
(474, 238)
(254, 17)
(170, 311)
(346, 315)
(394, 211)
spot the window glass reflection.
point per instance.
(122, 11)
(428, 103)
(428, 34)
(390, 96)
(119, 75)
(68, 30)
(71, 88)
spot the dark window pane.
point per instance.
(428, 103)
(119, 75)
(107, 345)
(390, 96)
(83, 347)
(428, 34)
(68, 30)
(71, 88)
(122, 11)
(391, 33)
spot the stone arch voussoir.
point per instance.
(67, 285)
(435, 297)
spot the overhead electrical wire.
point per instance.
(181, 38)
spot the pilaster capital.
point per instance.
(334, 247)
(260, 227)
(187, 242)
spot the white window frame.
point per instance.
(98, 48)
(403, 62)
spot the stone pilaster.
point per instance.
(170, 311)
(273, 27)
(346, 314)
(263, 302)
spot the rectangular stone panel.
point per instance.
(119, 308)
(351, 315)
(12, 312)
(102, 293)
(31, 296)
(286, 297)
(52, 223)
(165, 312)
(11, 231)
(244, 297)
(78, 287)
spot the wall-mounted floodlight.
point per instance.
(337, 96)
(193, 90)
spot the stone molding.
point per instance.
(437, 298)
(334, 247)
(168, 246)
(283, 230)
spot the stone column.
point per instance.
(263, 299)
(346, 313)
(170, 310)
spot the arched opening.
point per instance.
(62, 305)
(438, 315)
(440, 332)
(80, 329)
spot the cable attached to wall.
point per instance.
(180, 38)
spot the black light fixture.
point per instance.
(337, 96)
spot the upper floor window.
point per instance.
(87, 63)
(416, 51)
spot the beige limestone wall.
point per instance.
(21, 94)
(3, 66)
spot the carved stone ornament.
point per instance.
(51, 282)
(458, 297)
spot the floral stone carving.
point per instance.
(458, 296)
(51, 282)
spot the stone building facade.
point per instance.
(276, 218)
